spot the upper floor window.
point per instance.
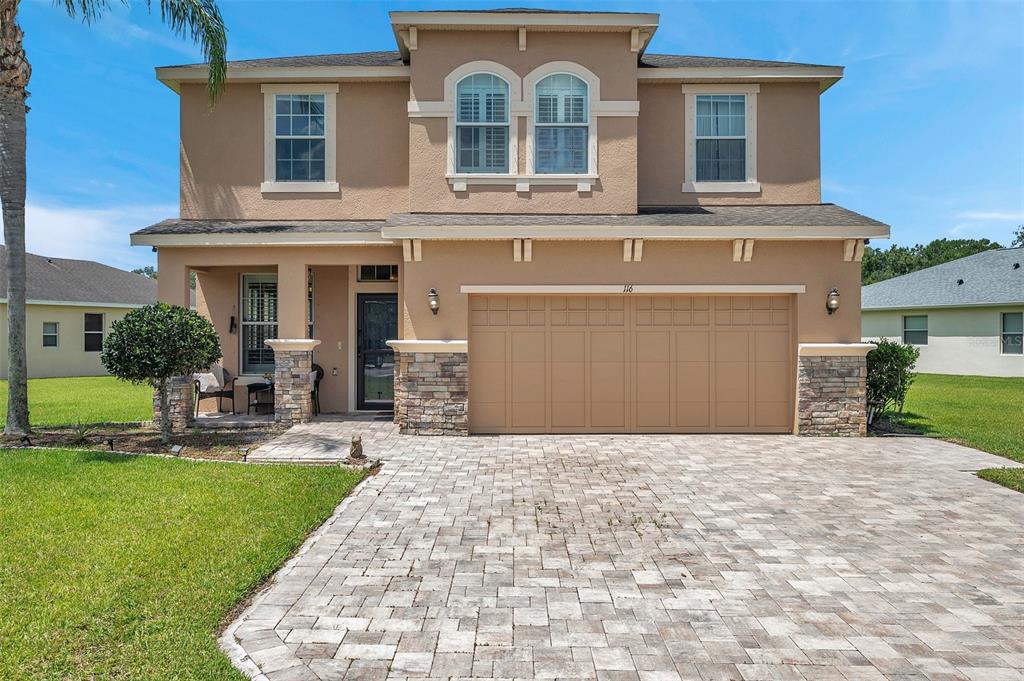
(721, 138)
(482, 124)
(1013, 333)
(915, 329)
(561, 125)
(720, 149)
(300, 138)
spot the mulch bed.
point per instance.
(221, 443)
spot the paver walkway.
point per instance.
(654, 558)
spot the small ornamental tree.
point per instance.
(156, 343)
(890, 373)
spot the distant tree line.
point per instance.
(880, 264)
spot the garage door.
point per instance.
(625, 363)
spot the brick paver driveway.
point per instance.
(654, 558)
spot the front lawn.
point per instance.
(1007, 477)
(978, 411)
(89, 399)
(121, 567)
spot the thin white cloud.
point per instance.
(115, 25)
(992, 215)
(100, 234)
(832, 187)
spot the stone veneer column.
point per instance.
(293, 362)
(180, 396)
(831, 389)
(431, 387)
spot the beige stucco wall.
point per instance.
(607, 55)
(222, 156)
(69, 358)
(961, 341)
(447, 266)
(788, 147)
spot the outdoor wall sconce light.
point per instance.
(432, 300)
(832, 301)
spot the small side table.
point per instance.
(253, 398)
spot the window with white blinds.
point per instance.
(721, 138)
(561, 125)
(482, 124)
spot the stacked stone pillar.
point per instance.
(293, 362)
(431, 387)
(180, 403)
(832, 389)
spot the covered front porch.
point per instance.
(303, 331)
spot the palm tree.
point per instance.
(198, 20)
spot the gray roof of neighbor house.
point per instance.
(988, 278)
(394, 58)
(79, 281)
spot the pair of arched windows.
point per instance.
(561, 120)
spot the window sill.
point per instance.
(299, 187)
(461, 182)
(721, 187)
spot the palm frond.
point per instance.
(200, 21)
(197, 20)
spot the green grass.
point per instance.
(89, 399)
(1007, 477)
(119, 567)
(978, 411)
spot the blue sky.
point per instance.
(925, 132)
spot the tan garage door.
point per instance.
(623, 363)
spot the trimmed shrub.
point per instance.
(157, 342)
(890, 375)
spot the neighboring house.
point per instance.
(521, 221)
(965, 316)
(70, 305)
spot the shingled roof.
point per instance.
(394, 58)
(79, 281)
(989, 278)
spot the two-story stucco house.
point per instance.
(521, 221)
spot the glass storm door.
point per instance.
(377, 323)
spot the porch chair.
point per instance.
(217, 382)
(315, 376)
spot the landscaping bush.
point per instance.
(158, 342)
(890, 374)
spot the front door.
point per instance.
(377, 323)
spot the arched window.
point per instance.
(561, 125)
(481, 124)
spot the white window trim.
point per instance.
(451, 86)
(593, 84)
(449, 109)
(1002, 321)
(55, 333)
(330, 93)
(690, 184)
(521, 105)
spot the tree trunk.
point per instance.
(14, 76)
(166, 429)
